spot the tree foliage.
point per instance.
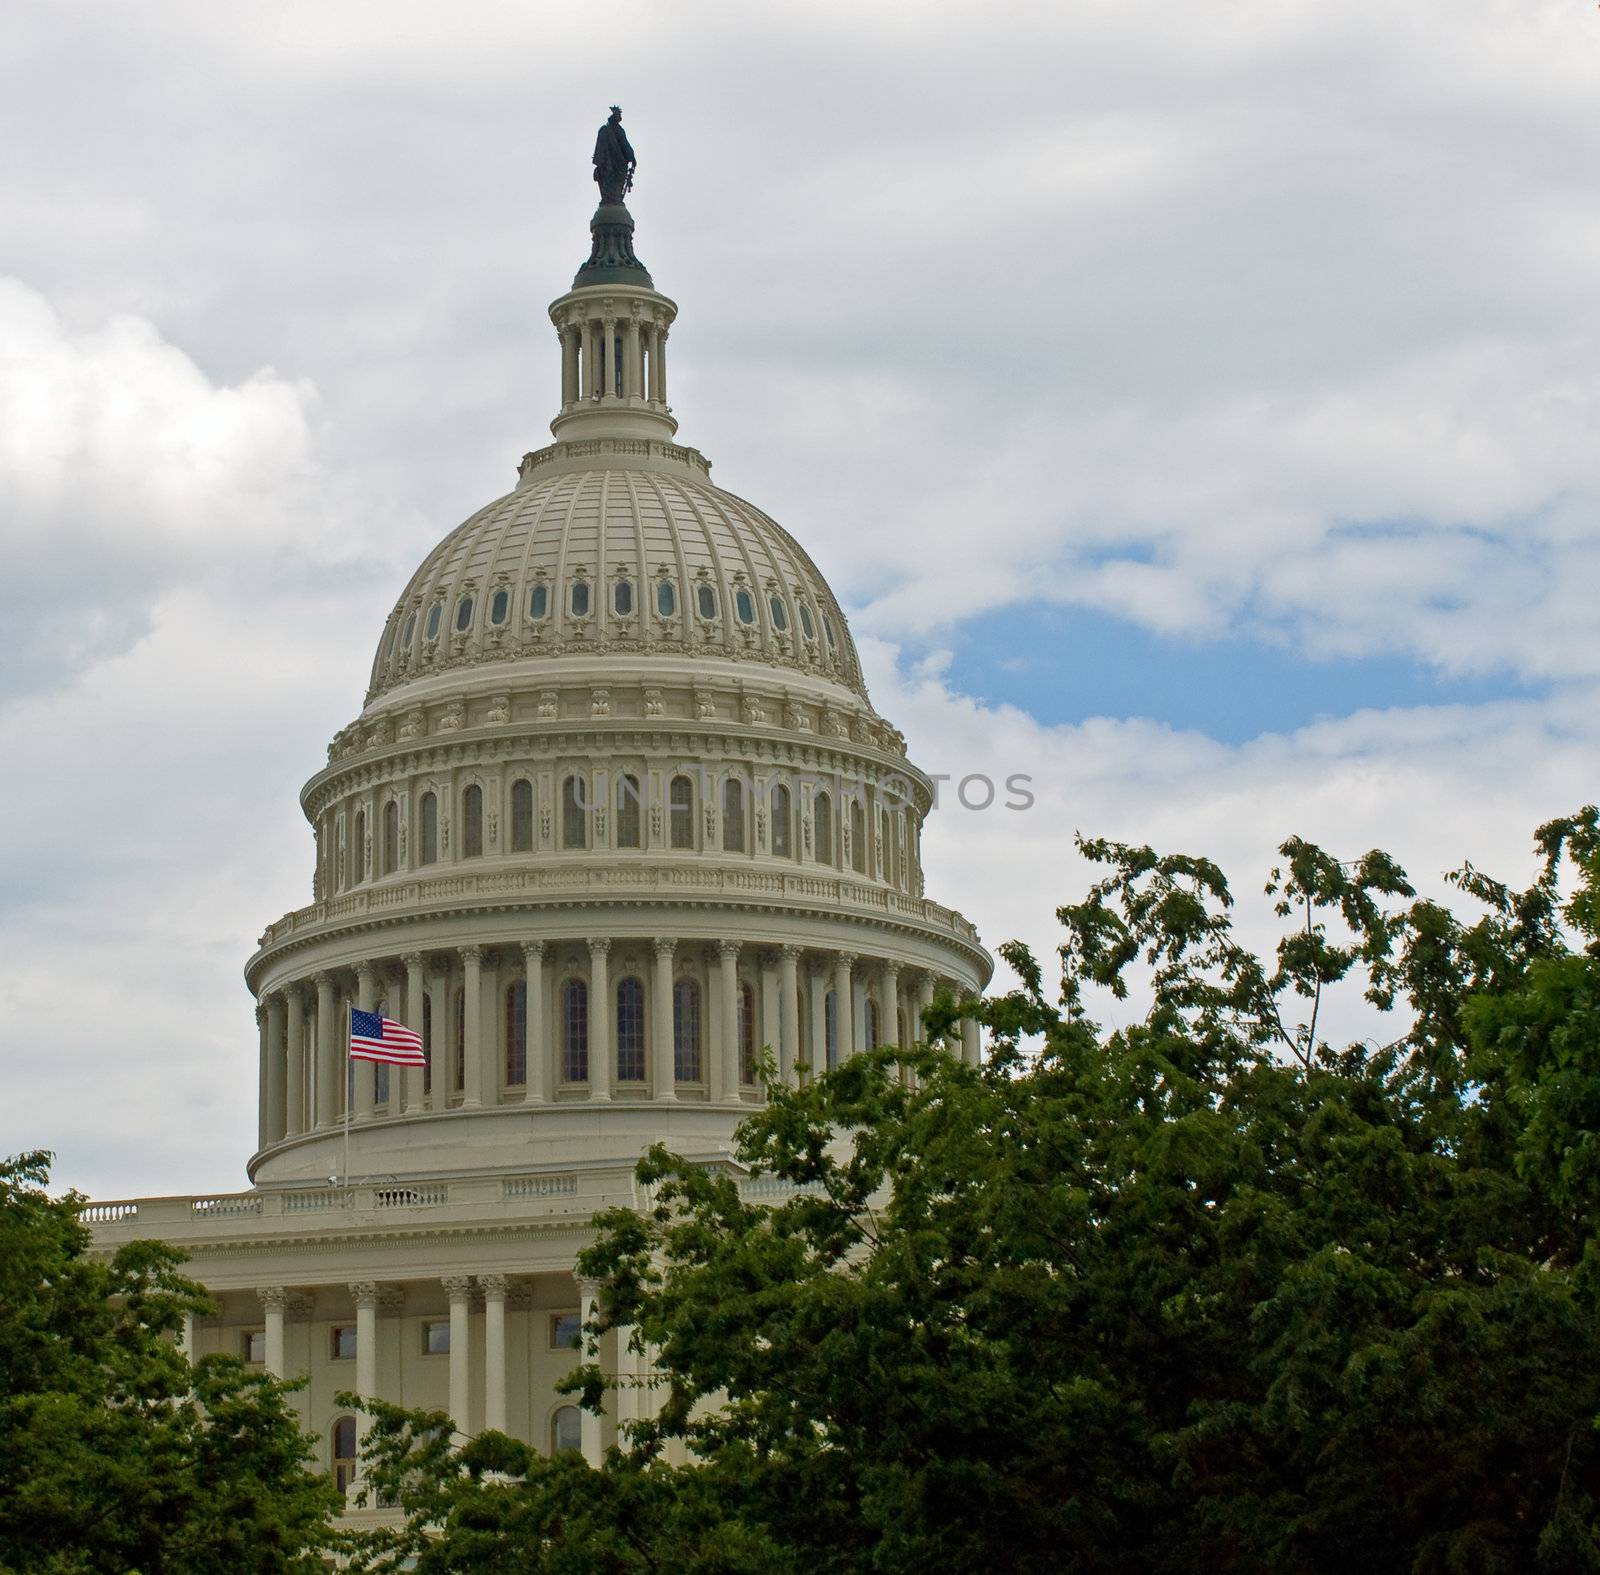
(1202, 1292)
(117, 1454)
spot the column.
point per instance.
(569, 364)
(658, 366)
(601, 1054)
(493, 1287)
(415, 995)
(630, 361)
(538, 1050)
(971, 1042)
(608, 358)
(924, 1000)
(439, 1042)
(661, 1027)
(458, 1287)
(263, 1074)
(294, 1062)
(471, 1027)
(845, 1014)
(889, 1005)
(588, 1422)
(365, 1072)
(789, 1052)
(819, 1020)
(365, 1294)
(277, 1065)
(769, 1029)
(186, 1339)
(328, 1058)
(275, 1305)
(725, 1086)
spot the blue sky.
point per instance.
(1195, 411)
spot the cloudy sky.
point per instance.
(1195, 406)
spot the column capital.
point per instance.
(598, 945)
(845, 959)
(471, 954)
(412, 960)
(323, 980)
(458, 1287)
(664, 948)
(891, 969)
(587, 1288)
(366, 1293)
(261, 1012)
(275, 1298)
(791, 954)
(494, 1286)
(728, 948)
(533, 951)
(366, 970)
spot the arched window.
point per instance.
(579, 599)
(666, 598)
(463, 615)
(858, 837)
(780, 613)
(630, 1031)
(435, 617)
(822, 813)
(472, 822)
(706, 601)
(680, 805)
(538, 602)
(429, 839)
(780, 821)
(358, 849)
(622, 598)
(871, 1014)
(522, 817)
(458, 1046)
(566, 1430)
(629, 829)
(574, 815)
(747, 1034)
(427, 1044)
(391, 837)
(517, 1033)
(342, 1448)
(745, 605)
(733, 816)
(575, 1031)
(686, 1031)
(830, 1028)
(499, 605)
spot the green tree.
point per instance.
(117, 1454)
(1200, 1293)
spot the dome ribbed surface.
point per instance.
(476, 599)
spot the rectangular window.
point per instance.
(255, 1346)
(343, 1344)
(566, 1331)
(436, 1337)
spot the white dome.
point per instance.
(644, 556)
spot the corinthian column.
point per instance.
(588, 1422)
(415, 996)
(601, 1054)
(661, 1035)
(458, 1287)
(789, 1052)
(263, 1074)
(493, 1287)
(329, 1060)
(274, 1306)
(294, 1057)
(366, 1073)
(538, 1050)
(845, 1006)
(726, 1084)
(471, 1027)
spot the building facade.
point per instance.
(619, 832)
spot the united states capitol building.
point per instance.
(616, 828)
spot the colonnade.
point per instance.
(614, 357)
(709, 1010)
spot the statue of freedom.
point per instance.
(614, 162)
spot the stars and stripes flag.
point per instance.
(374, 1038)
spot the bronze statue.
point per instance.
(614, 162)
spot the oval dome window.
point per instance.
(499, 605)
(435, 615)
(745, 605)
(463, 614)
(780, 614)
(409, 630)
(666, 598)
(622, 598)
(580, 598)
(538, 601)
(707, 600)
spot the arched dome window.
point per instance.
(630, 1031)
(706, 600)
(499, 606)
(830, 1028)
(733, 816)
(517, 1033)
(780, 821)
(538, 602)
(472, 822)
(807, 627)
(463, 615)
(666, 598)
(522, 816)
(622, 598)
(747, 1034)
(435, 618)
(574, 814)
(858, 837)
(629, 827)
(575, 1031)
(578, 599)
(428, 829)
(391, 837)
(566, 1430)
(358, 849)
(744, 604)
(342, 1452)
(780, 613)
(680, 806)
(822, 813)
(686, 1031)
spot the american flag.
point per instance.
(374, 1038)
